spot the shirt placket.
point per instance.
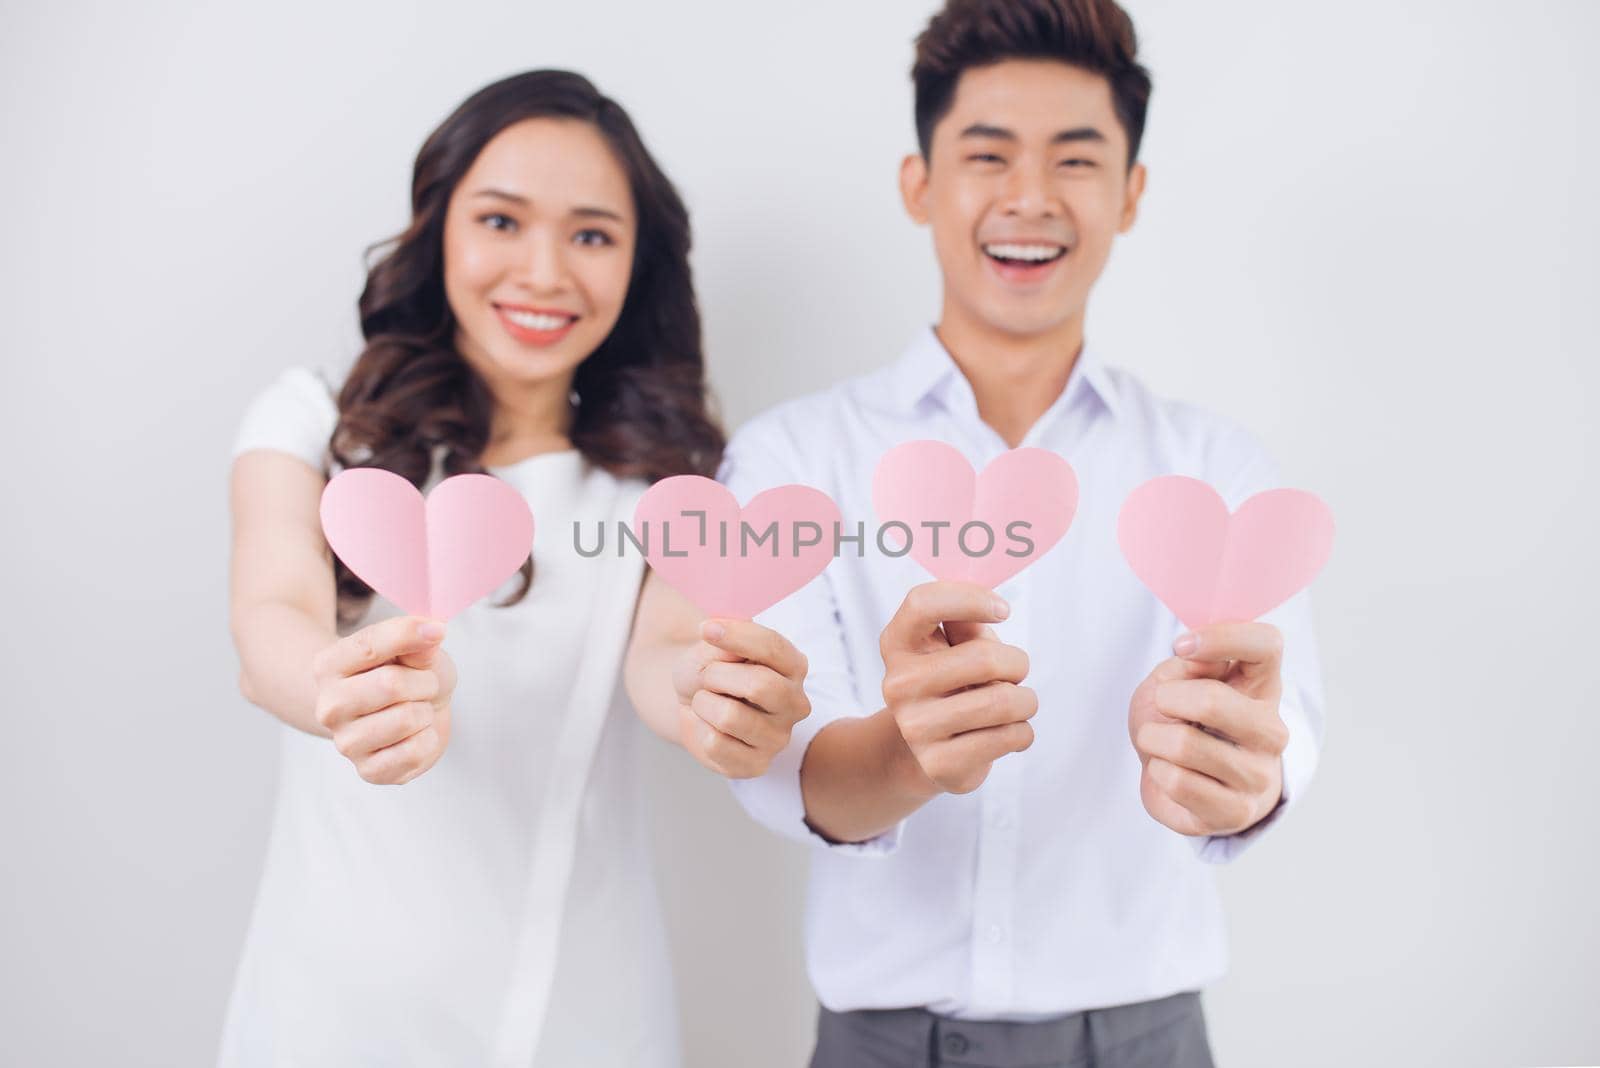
(994, 923)
(994, 894)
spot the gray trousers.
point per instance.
(1167, 1033)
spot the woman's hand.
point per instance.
(383, 695)
(741, 690)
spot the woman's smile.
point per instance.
(535, 326)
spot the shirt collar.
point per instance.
(925, 370)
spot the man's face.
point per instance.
(1025, 186)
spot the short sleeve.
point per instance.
(1240, 468)
(296, 414)
(758, 458)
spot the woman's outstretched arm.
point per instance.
(281, 608)
(382, 695)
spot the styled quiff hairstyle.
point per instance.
(1094, 35)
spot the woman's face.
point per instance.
(538, 248)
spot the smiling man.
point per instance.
(1014, 794)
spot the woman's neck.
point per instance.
(531, 419)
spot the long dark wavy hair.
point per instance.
(642, 407)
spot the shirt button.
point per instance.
(1001, 821)
(956, 1043)
(996, 934)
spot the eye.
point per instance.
(984, 157)
(1078, 163)
(592, 238)
(499, 221)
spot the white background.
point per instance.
(1370, 236)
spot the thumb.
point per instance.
(425, 656)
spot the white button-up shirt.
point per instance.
(1049, 889)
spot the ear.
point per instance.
(1132, 191)
(914, 187)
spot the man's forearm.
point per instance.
(859, 779)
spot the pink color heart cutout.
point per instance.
(930, 481)
(430, 558)
(729, 575)
(1210, 567)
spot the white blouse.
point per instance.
(501, 908)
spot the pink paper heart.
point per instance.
(1210, 567)
(430, 558)
(730, 574)
(929, 482)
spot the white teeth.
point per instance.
(1031, 253)
(533, 321)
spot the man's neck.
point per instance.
(1014, 378)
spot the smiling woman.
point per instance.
(538, 250)
(536, 321)
(545, 272)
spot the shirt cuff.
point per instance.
(775, 800)
(1299, 764)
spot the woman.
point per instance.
(535, 321)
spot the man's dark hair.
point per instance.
(1094, 35)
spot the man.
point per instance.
(1012, 874)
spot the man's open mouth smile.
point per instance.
(1023, 261)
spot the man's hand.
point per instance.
(952, 686)
(741, 690)
(1206, 727)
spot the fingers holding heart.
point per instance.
(740, 639)
(1191, 803)
(740, 721)
(1210, 755)
(1193, 749)
(1221, 709)
(722, 752)
(1248, 655)
(381, 729)
(687, 671)
(758, 686)
(398, 764)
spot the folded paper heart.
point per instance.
(1212, 567)
(970, 527)
(431, 558)
(735, 562)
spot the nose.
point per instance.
(543, 266)
(1028, 194)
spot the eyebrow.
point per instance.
(1000, 133)
(587, 211)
